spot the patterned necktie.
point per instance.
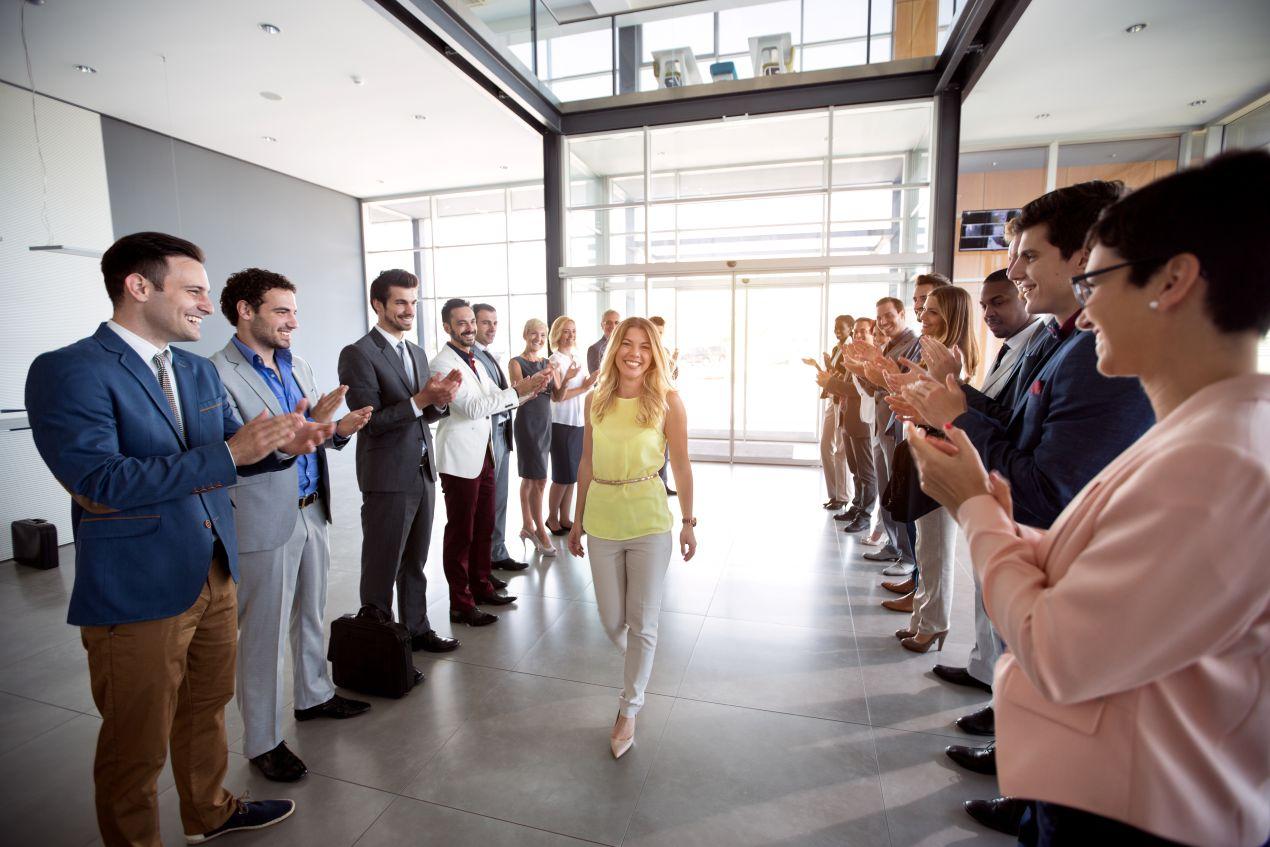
(165, 382)
(408, 365)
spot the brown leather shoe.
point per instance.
(900, 604)
(902, 586)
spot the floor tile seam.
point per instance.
(773, 623)
(382, 812)
(503, 820)
(648, 773)
(75, 712)
(770, 711)
(540, 637)
(31, 740)
(40, 652)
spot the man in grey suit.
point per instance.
(595, 353)
(283, 551)
(486, 329)
(394, 469)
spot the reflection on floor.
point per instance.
(781, 711)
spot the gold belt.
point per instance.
(652, 475)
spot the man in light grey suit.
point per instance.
(395, 468)
(501, 423)
(283, 550)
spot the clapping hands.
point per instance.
(440, 390)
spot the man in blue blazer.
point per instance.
(140, 435)
(1066, 425)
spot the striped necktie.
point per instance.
(165, 382)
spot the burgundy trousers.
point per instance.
(469, 528)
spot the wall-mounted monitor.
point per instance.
(984, 229)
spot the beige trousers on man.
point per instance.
(160, 683)
(629, 576)
(833, 455)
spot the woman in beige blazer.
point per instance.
(1133, 705)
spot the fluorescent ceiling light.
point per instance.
(69, 251)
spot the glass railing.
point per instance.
(706, 41)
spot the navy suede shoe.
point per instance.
(251, 814)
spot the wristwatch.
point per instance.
(692, 522)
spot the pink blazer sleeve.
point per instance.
(1149, 594)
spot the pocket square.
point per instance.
(1036, 388)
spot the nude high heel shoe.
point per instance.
(621, 744)
(918, 646)
(544, 549)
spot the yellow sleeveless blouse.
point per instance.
(623, 449)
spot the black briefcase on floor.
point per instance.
(35, 543)
(371, 655)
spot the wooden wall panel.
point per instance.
(915, 29)
(1133, 174)
(1012, 189)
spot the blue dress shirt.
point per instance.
(288, 392)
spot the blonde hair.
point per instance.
(557, 330)
(531, 325)
(957, 309)
(658, 382)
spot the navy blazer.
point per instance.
(146, 509)
(1067, 425)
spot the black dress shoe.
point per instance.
(496, 600)
(860, 524)
(509, 565)
(418, 676)
(433, 643)
(847, 517)
(959, 676)
(1001, 813)
(473, 617)
(280, 765)
(500, 584)
(982, 722)
(337, 707)
(978, 759)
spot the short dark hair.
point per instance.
(395, 277)
(894, 301)
(483, 307)
(144, 253)
(1191, 212)
(250, 285)
(844, 318)
(998, 276)
(450, 305)
(933, 279)
(1070, 212)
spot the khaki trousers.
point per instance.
(160, 683)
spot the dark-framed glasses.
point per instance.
(1083, 284)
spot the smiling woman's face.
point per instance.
(634, 353)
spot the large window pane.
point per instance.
(390, 233)
(738, 26)
(468, 271)
(594, 159)
(574, 50)
(827, 20)
(527, 264)
(527, 221)
(606, 236)
(696, 32)
(591, 297)
(470, 218)
(883, 220)
(739, 229)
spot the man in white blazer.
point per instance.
(465, 461)
(283, 551)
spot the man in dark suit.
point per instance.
(501, 423)
(142, 437)
(595, 353)
(395, 468)
(1068, 423)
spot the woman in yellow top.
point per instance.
(631, 418)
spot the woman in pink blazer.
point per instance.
(1133, 705)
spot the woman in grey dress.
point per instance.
(532, 429)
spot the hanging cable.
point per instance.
(35, 121)
(176, 186)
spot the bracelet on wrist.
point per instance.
(690, 521)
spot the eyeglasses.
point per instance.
(1083, 286)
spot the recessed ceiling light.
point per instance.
(1135, 28)
(994, 164)
(271, 95)
(502, 167)
(357, 80)
(86, 69)
(270, 29)
(380, 181)
(1042, 116)
(1115, 155)
(421, 117)
(267, 138)
(1197, 103)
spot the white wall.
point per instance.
(49, 300)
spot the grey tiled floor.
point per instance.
(781, 710)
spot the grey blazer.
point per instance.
(595, 354)
(265, 505)
(389, 447)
